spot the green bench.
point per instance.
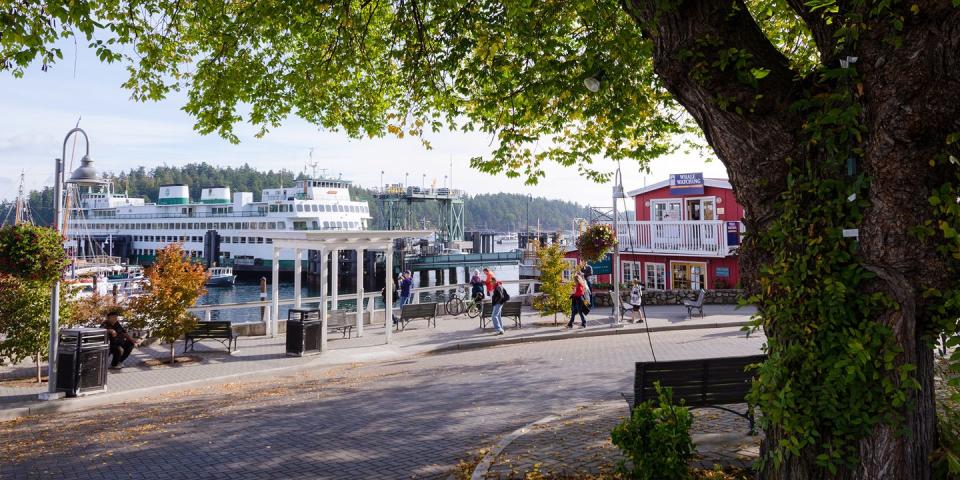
(415, 311)
(220, 331)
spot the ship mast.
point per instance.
(22, 206)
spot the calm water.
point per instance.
(249, 291)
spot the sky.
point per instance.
(37, 110)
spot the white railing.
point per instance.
(705, 238)
(420, 295)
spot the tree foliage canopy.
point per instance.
(816, 107)
(511, 69)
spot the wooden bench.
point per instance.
(220, 331)
(700, 383)
(511, 309)
(695, 304)
(341, 321)
(414, 311)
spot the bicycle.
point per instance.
(461, 302)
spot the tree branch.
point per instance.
(820, 27)
(746, 120)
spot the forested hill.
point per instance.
(499, 211)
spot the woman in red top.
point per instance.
(490, 282)
(576, 299)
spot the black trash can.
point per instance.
(82, 357)
(303, 332)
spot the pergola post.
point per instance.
(297, 276)
(359, 255)
(323, 299)
(275, 306)
(335, 278)
(388, 306)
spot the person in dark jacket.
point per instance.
(476, 287)
(121, 343)
(500, 296)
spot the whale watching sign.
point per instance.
(686, 183)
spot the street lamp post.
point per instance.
(84, 175)
(381, 181)
(615, 271)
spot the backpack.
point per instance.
(505, 297)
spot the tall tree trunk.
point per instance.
(911, 100)
(39, 370)
(173, 353)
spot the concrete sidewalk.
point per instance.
(260, 357)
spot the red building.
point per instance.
(685, 235)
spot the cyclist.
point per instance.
(476, 286)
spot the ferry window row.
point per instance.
(245, 240)
(178, 239)
(151, 251)
(297, 225)
(183, 226)
(313, 207)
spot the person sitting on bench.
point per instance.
(121, 343)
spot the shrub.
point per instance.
(656, 439)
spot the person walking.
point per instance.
(578, 305)
(476, 287)
(636, 300)
(491, 281)
(500, 296)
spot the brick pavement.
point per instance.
(411, 418)
(265, 355)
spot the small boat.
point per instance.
(220, 277)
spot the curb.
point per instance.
(74, 404)
(487, 461)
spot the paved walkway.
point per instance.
(261, 356)
(411, 418)
(577, 444)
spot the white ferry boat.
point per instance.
(220, 228)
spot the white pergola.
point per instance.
(332, 243)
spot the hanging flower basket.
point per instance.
(595, 242)
(32, 253)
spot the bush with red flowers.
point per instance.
(32, 253)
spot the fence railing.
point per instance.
(433, 293)
(678, 237)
